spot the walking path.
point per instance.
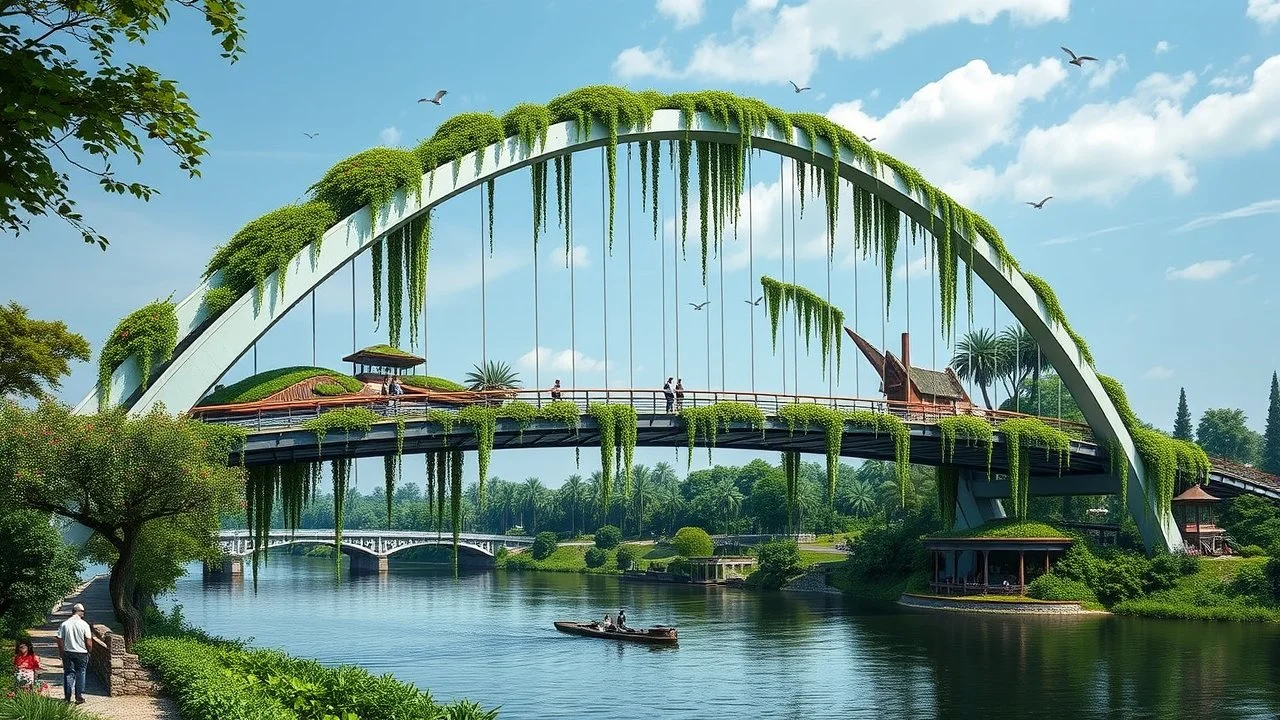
(97, 605)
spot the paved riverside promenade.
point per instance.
(97, 605)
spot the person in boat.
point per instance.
(608, 623)
(622, 619)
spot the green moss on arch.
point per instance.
(369, 178)
(149, 333)
(529, 122)
(267, 245)
(218, 299)
(1054, 309)
(458, 137)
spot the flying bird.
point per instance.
(700, 305)
(311, 136)
(1077, 60)
(757, 302)
(868, 139)
(436, 99)
(798, 88)
(1040, 205)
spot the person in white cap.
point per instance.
(75, 640)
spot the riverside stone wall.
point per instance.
(119, 670)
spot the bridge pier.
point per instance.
(228, 566)
(973, 508)
(366, 564)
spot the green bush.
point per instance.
(779, 560)
(328, 389)
(608, 537)
(1055, 587)
(596, 557)
(681, 567)
(626, 557)
(194, 675)
(543, 545)
(217, 300)
(1251, 581)
(1251, 551)
(429, 382)
(30, 706)
(1273, 575)
(692, 542)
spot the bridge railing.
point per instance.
(646, 401)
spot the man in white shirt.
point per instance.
(75, 640)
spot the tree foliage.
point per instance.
(70, 106)
(1222, 432)
(1271, 438)
(116, 475)
(1182, 422)
(36, 569)
(692, 542)
(35, 354)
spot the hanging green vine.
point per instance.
(529, 122)
(1054, 310)
(341, 472)
(369, 178)
(810, 309)
(446, 419)
(395, 286)
(1020, 435)
(261, 483)
(483, 421)
(455, 501)
(561, 411)
(442, 479)
(948, 493)
(617, 426)
(349, 419)
(417, 242)
(217, 300)
(375, 263)
(458, 137)
(791, 475)
(973, 430)
(149, 334)
(896, 429)
(267, 245)
(705, 421)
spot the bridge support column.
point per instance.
(971, 510)
(229, 566)
(366, 564)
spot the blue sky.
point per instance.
(1159, 239)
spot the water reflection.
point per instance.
(488, 636)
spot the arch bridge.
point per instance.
(210, 343)
(369, 550)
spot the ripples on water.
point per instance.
(488, 637)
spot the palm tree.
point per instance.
(571, 494)
(862, 498)
(728, 500)
(533, 497)
(1022, 357)
(493, 375)
(667, 485)
(504, 498)
(978, 359)
(595, 493)
(642, 494)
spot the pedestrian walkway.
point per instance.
(97, 605)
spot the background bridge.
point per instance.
(368, 549)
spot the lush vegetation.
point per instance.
(215, 679)
(267, 245)
(149, 334)
(70, 103)
(779, 561)
(428, 382)
(31, 706)
(608, 537)
(814, 312)
(35, 354)
(543, 545)
(266, 384)
(1010, 528)
(36, 569)
(119, 476)
(692, 542)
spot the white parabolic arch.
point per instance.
(199, 365)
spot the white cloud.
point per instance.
(1262, 207)
(1163, 47)
(684, 12)
(636, 62)
(581, 257)
(1064, 239)
(1228, 82)
(561, 361)
(772, 44)
(1158, 372)
(1205, 269)
(1265, 12)
(390, 135)
(1100, 74)
(918, 267)
(1105, 149)
(948, 124)
(457, 277)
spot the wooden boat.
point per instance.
(660, 635)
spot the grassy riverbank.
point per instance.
(1230, 589)
(573, 559)
(216, 679)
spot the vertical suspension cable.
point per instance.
(751, 265)
(933, 297)
(995, 398)
(720, 255)
(484, 308)
(831, 340)
(675, 257)
(631, 318)
(604, 269)
(795, 260)
(537, 343)
(353, 311)
(782, 227)
(313, 327)
(255, 357)
(662, 253)
(573, 303)
(857, 368)
(1037, 388)
(706, 301)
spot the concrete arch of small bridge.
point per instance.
(369, 550)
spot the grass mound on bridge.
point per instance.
(1009, 528)
(430, 382)
(266, 384)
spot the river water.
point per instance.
(488, 636)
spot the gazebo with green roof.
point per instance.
(992, 559)
(376, 362)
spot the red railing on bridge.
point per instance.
(646, 401)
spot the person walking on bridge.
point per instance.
(670, 395)
(75, 640)
(679, 394)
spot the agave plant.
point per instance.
(493, 375)
(468, 710)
